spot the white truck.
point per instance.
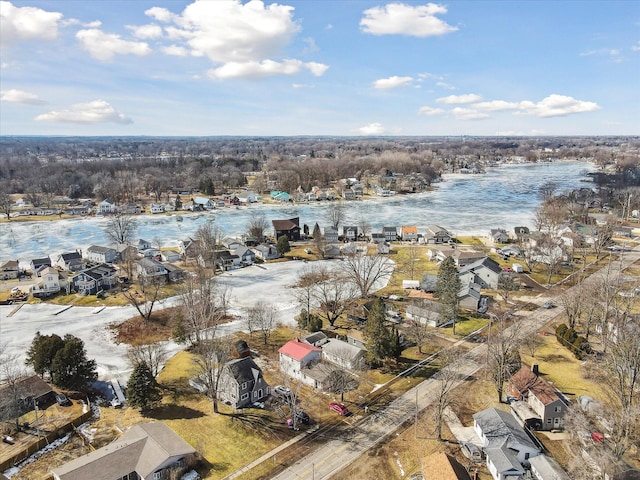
(516, 267)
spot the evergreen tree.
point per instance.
(316, 231)
(447, 288)
(42, 351)
(70, 367)
(178, 202)
(142, 389)
(283, 245)
(379, 340)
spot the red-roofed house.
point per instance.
(526, 386)
(296, 357)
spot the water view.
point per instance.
(504, 197)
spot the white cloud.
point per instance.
(175, 50)
(232, 31)
(97, 111)
(20, 96)
(159, 13)
(146, 32)
(26, 23)
(311, 46)
(515, 133)
(302, 85)
(611, 52)
(459, 99)
(468, 114)
(392, 82)
(636, 47)
(372, 129)
(431, 112)
(104, 46)
(496, 106)
(446, 86)
(263, 69)
(75, 21)
(557, 106)
(402, 19)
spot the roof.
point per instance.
(440, 466)
(41, 261)
(244, 369)
(100, 249)
(32, 386)
(314, 338)
(340, 348)
(286, 225)
(142, 449)
(409, 229)
(547, 468)
(504, 460)
(100, 271)
(500, 429)
(13, 264)
(71, 256)
(390, 229)
(485, 262)
(433, 230)
(526, 382)
(297, 350)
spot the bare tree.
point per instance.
(448, 376)
(10, 401)
(207, 238)
(573, 302)
(335, 214)
(305, 286)
(507, 284)
(412, 256)
(120, 228)
(334, 294)
(340, 381)
(503, 358)
(211, 356)
(603, 236)
(531, 343)
(262, 317)
(152, 354)
(366, 271)
(419, 332)
(257, 226)
(6, 205)
(144, 300)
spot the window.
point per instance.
(157, 475)
(557, 409)
(244, 385)
(548, 420)
(244, 396)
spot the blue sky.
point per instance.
(216, 67)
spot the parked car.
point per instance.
(548, 305)
(62, 399)
(339, 408)
(303, 417)
(471, 451)
(282, 391)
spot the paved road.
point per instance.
(336, 454)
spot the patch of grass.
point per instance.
(465, 326)
(465, 240)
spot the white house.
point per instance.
(266, 252)
(331, 235)
(156, 208)
(47, 284)
(409, 233)
(295, 357)
(247, 196)
(507, 446)
(98, 254)
(343, 354)
(427, 313)
(106, 207)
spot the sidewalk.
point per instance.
(270, 454)
(462, 433)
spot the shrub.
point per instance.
(560, 332)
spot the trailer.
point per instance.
(516, 267)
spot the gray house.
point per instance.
(99, 254)
(485, 272)
(242, 383)
(150, 451)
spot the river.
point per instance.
(503, 197)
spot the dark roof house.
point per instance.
(289, 228)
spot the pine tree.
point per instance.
(447, 288)
(142, 389)
(283, 245)
(70, 367)
(42, 351)
(379, 340)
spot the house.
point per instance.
(436, 234)
(143, 244)
(98, 254)
(95, 279)
(439, 254)
(130, 209)
(440, 466)
(240, 349)
(266, 252)
(241, 383)
(331, 251)
(225, 260)
(356, 337)
(428, 282)
(72, 261)
(106, 207)
(350, 233)
(280, 196)
(469, 296)
(378, 238)
(37, 264)
(203, 203)
(343, 354)
(427, 313)
(189, 248)
(156, 208)
(296, 356)
(317, 339)
(245, 254)
(465, 257)
(149, 451)
(148, 267)
(125, 252)
(29, 391)
(331, 234)
(47, 284)
(390, 233)
(289, 228)
(247, 196)
(383, 248)
(348, 194)
(170, 255)
(409, 233)
(507, 446)
(498, 235)
(9, 270)
(543, 401)
(544, 467)
(174, 273)
(231, 243)
(485, 272)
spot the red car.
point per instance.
(339, 408)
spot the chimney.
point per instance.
(534, 368)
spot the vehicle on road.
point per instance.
(339, 408)
(548, 305)
(62, 400)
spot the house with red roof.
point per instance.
(297, 359)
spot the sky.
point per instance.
(330, 67)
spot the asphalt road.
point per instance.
(337, 453)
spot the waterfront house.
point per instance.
(289, 228)
(71, 261)
(247, 196)
(377, 238)
(99, 254)
(156, 208)
(245, 254)
(148, 267)
(107, 207)
(409, 233)
(266, 252)
(37, 264)
(497, 235)
(390, 233)
(9, 270)
(350, 233)
(47, 284)
(94, 279)
(148, 451)
(30, 392)
(225, 260)
(203, 203)
(436, 234)
(330, 235)
(170, 255)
